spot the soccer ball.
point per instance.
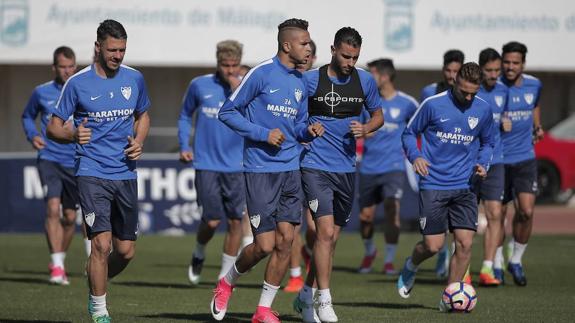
(459, 297)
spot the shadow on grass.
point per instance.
(26, 280)
(38, 272)
(202, 285)
(34, 321)
(183, 266)
(422, 281)
(345, 269)
(396, 306)
(207, 317)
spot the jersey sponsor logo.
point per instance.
(210, 112)
(255, 220)
(110, 115)
(281, 110)
(93, 98)
(313, 205)
(528, 97)
(298, 94)
(499, 100)
(126, 91)
(89, 218)
(422, 222)
(394, 112)
(333, 99)
(519, 115)
(456, 138)
(472, 122)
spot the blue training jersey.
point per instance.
(383, 151)
(497, 97)
(455, 140)
(270, 96)
(522, 99)
(43, 101)
(216, 146)
(335, 150)
(428, 91)
(109, 105)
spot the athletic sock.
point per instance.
(487, 266)
(87, 246)
(518, 250)
(199, 252)
(324, 296)
(498, 261)
(268, 294)
(390, 249)
(295, 271)
(369, 247)
(232, 275)
(58, 259)
(98, 305)
(227, 263)
(410, 265)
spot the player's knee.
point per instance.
(524, 214)
(326, 235)
(101, 247)
(366, 217)
(463, 247)
(263, 248)
(213, 224)
(433, 247)
(126, 253)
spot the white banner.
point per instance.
(415, 33)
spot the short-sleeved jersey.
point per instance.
(497, 97)
(42, 102)
(454, 140)
(521, 100)
(270, 96)
(216, 146)
(428, 91)
(335, 150)
(109, 104)
(383, 152)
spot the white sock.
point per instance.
(452, 248)
(227, 263)
(306, 294)
(324, 296)
(518, 250)
(498, 261)
(246, 240)
(369, 246)
(390, 249)
(410, 265)
(88, 246)
(268, 294)
(232, 275)
(58, 259)
(199, 252)
(510, 245)
(487, 264)
(295, 271)
(98, 305)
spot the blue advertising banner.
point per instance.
(166, 193)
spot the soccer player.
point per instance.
(338, 93)
(217, 157)
(295, 282)
(457, 129)
(491, 189)
(55, 164)
(268, 109)
(518, 154)
(452, 61)
(109, 103)
(382, 169)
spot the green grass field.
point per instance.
(154, 287)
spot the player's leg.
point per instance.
(392, 192)
(463, 219)
(247, 236)
(306, 250)
(295, 281)
(233, 190)
(370, 192)
(70, 202)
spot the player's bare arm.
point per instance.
(59, 132)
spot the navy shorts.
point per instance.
(329, 193)
(492, 188)
(220, 194)
(273, 198)
(374, 188)
(447, 210)
(109, 205)
(59, 181)
(520, 178)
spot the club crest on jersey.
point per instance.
(255, 220)
(394, 113)
(472, 122)
(126, 91)
(89, 218)
(422, 222)
(298, 94)
(528, 97)
(499, 100)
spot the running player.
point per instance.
(457, 129)
(452, 61)
(268, 110)
(295, 282)
(382, 169)
(109, 103)
(518, 153)
(55, 164)
(217, 157)
(491, 189)
(338, 93)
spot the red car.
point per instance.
(556, 160)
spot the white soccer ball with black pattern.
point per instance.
(459, 297)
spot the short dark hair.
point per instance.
(313, 48)
(515, 47)
(471, 72)
(488, 55)
(111, 28)
(349, 36)
(383, 66)
(293, 23)
(453, 55)
(64, 51)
